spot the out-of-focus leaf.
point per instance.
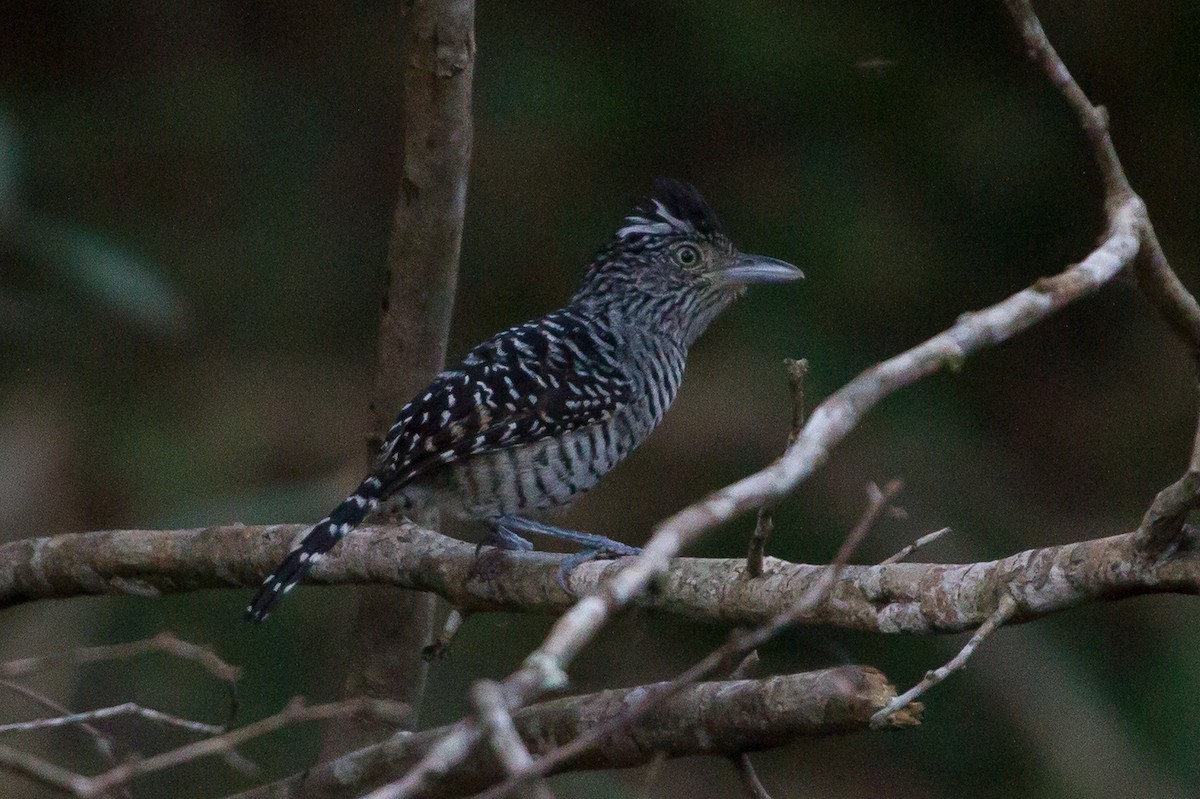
(118, 280)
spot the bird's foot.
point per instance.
(487, 564)
(502, 536)
(595, 547)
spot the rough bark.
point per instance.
(889, 598)
(392, 627)
(711, 718)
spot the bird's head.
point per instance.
(673, 263)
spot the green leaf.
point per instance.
(108, 274)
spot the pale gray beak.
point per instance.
(751, 269)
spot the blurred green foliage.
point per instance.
(194, 209)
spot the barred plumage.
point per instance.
(538, 413)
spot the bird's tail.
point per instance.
(319, 540)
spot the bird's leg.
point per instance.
(513, 525)
(594, 546)
(501, 536)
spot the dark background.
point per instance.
(194, 206)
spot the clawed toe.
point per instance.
(572, 562)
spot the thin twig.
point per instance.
(920, 543)
(1154, 274)
(441, 645)
(747, 667)
(124, 709)
(652, 772)
(506, 742)
(1161, 529)
(1004, 612)
(748, 777)
(163, 642)
(739, 643)
(295, 712)
(42, 771)
(105, 744)
(765, 524)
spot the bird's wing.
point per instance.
(539, 379)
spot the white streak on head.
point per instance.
(672, 220)
(640, 224)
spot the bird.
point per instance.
(537, 414)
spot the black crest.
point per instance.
(675, 207)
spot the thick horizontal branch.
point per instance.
(892, 597)
(712, 718)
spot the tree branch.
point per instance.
(1154, 273)
(898, 597)
(713, 718)
(392, 628)
(1162, 526)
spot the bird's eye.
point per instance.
(687, 255)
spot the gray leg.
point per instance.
(594, 546)
(515, 525)
(500, 536)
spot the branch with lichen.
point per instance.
(710, 718)
(888, 597)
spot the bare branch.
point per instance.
(920, 543)
(105, 744)
(1154, 274)
(441, 644)
(506, 742)
(748, 777)
(164, 642)
(124, 709)
(1161, 528)
(1004, 612)
(918, 598)
(42, 771)
(796, 372)
(295, 712)
(392, 628)
(712, 718)
(739, 643)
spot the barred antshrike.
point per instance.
(537, 414)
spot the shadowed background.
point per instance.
(194, 209)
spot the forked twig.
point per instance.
(123, 709)
(1004, 611)
(920, 543)
(797, 370)
(294, 712)
(105, 744)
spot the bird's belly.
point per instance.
(540, 475)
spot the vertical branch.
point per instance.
(393, 626)
(796, 372)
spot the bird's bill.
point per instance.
(753, 269)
